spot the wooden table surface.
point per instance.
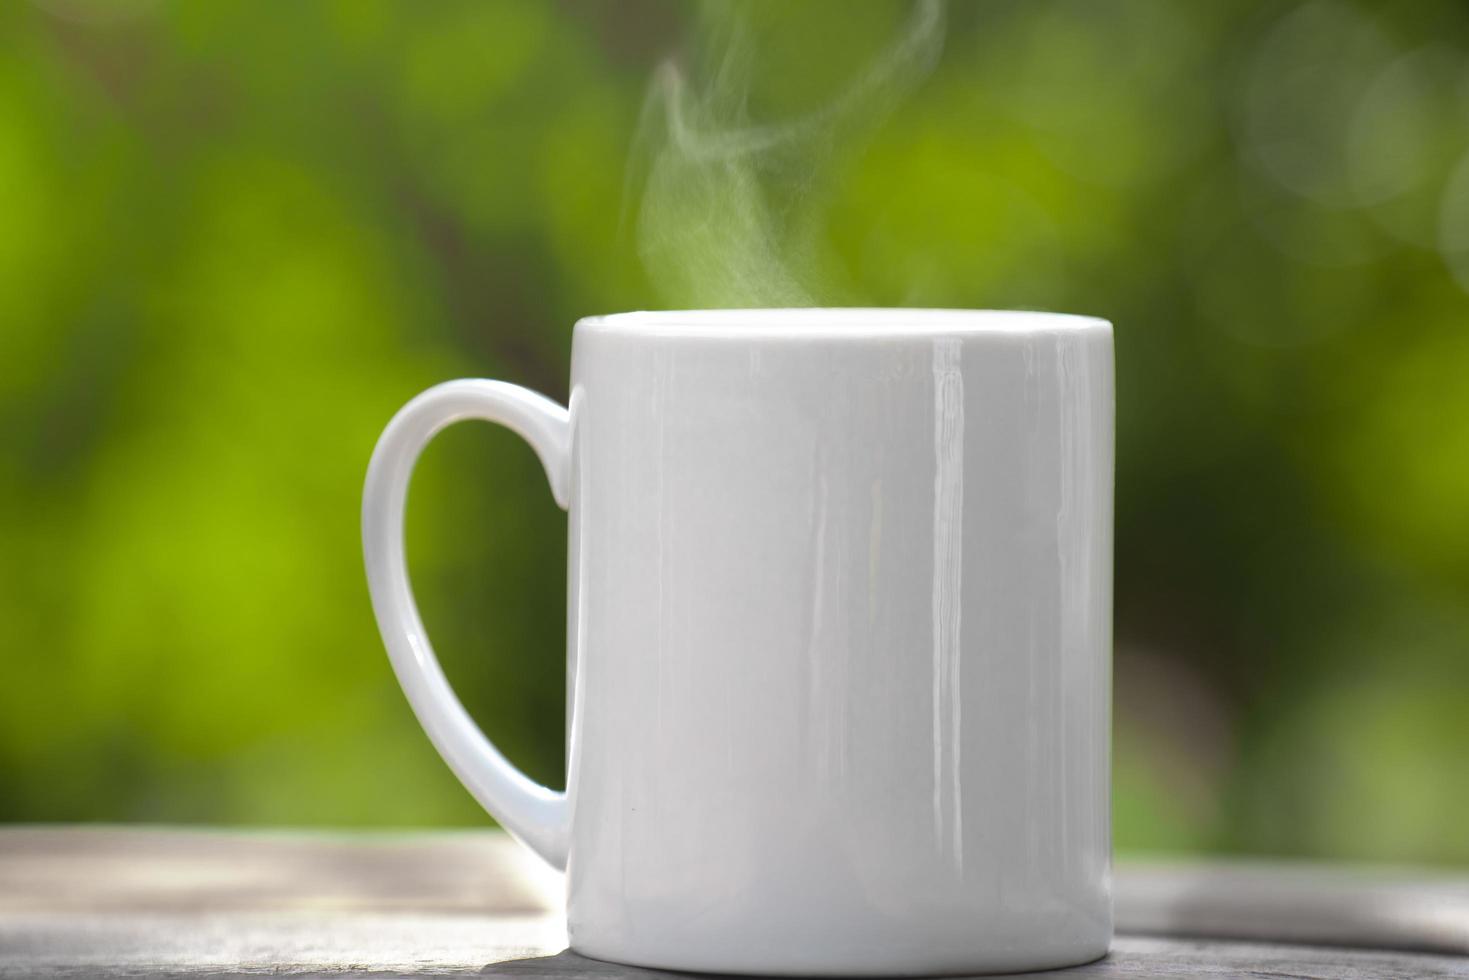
(113, 901)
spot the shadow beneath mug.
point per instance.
(567, 965)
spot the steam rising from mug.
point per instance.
(730, 212)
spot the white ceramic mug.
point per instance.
(839, 637)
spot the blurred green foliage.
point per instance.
(235, 237)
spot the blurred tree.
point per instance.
(235, 237)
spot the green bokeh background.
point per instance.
(236, 236)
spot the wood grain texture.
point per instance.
(1131, 956)
(157, 902)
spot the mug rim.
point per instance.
(824, 321)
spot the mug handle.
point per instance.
(537, 816)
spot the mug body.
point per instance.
(840, 641)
